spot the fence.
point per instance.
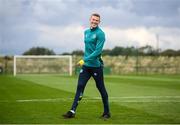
(122, 65)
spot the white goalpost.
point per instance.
(49, 64)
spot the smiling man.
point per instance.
(92, 66)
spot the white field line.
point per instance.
(140, 97)
(111, 99)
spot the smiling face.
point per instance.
(94, 21)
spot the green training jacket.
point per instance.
(94, 41)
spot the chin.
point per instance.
(94, 26)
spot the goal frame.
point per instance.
(43, 57)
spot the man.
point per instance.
(92, 65)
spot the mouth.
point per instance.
(94, 24)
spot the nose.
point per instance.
(94, 21)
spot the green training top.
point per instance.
(94, 40)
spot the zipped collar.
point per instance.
(93, 29)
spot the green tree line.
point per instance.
(132, 51)
(39, 51)
(116, 51)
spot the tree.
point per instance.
(168, 52)
(39, 51)
(78, 52)
(147, 50)
(118, 50)
(65, 53)
(130, 51)
(106, 52)
(178, 53)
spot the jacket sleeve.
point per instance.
(99, 47)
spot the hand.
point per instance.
(80, 63)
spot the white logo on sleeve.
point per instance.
(95, 74)
(94, 36)
(81, 70)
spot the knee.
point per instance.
(99, 86)
(103, 92)
(105, 95)
(80, 85)
(80, 97)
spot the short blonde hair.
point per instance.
(96, 14)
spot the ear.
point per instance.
(90, 19)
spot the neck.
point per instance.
(93, 28)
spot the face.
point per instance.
(94, 21)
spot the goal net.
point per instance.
(43, 65)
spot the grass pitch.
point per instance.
(133, 99)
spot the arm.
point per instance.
(99, 47)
